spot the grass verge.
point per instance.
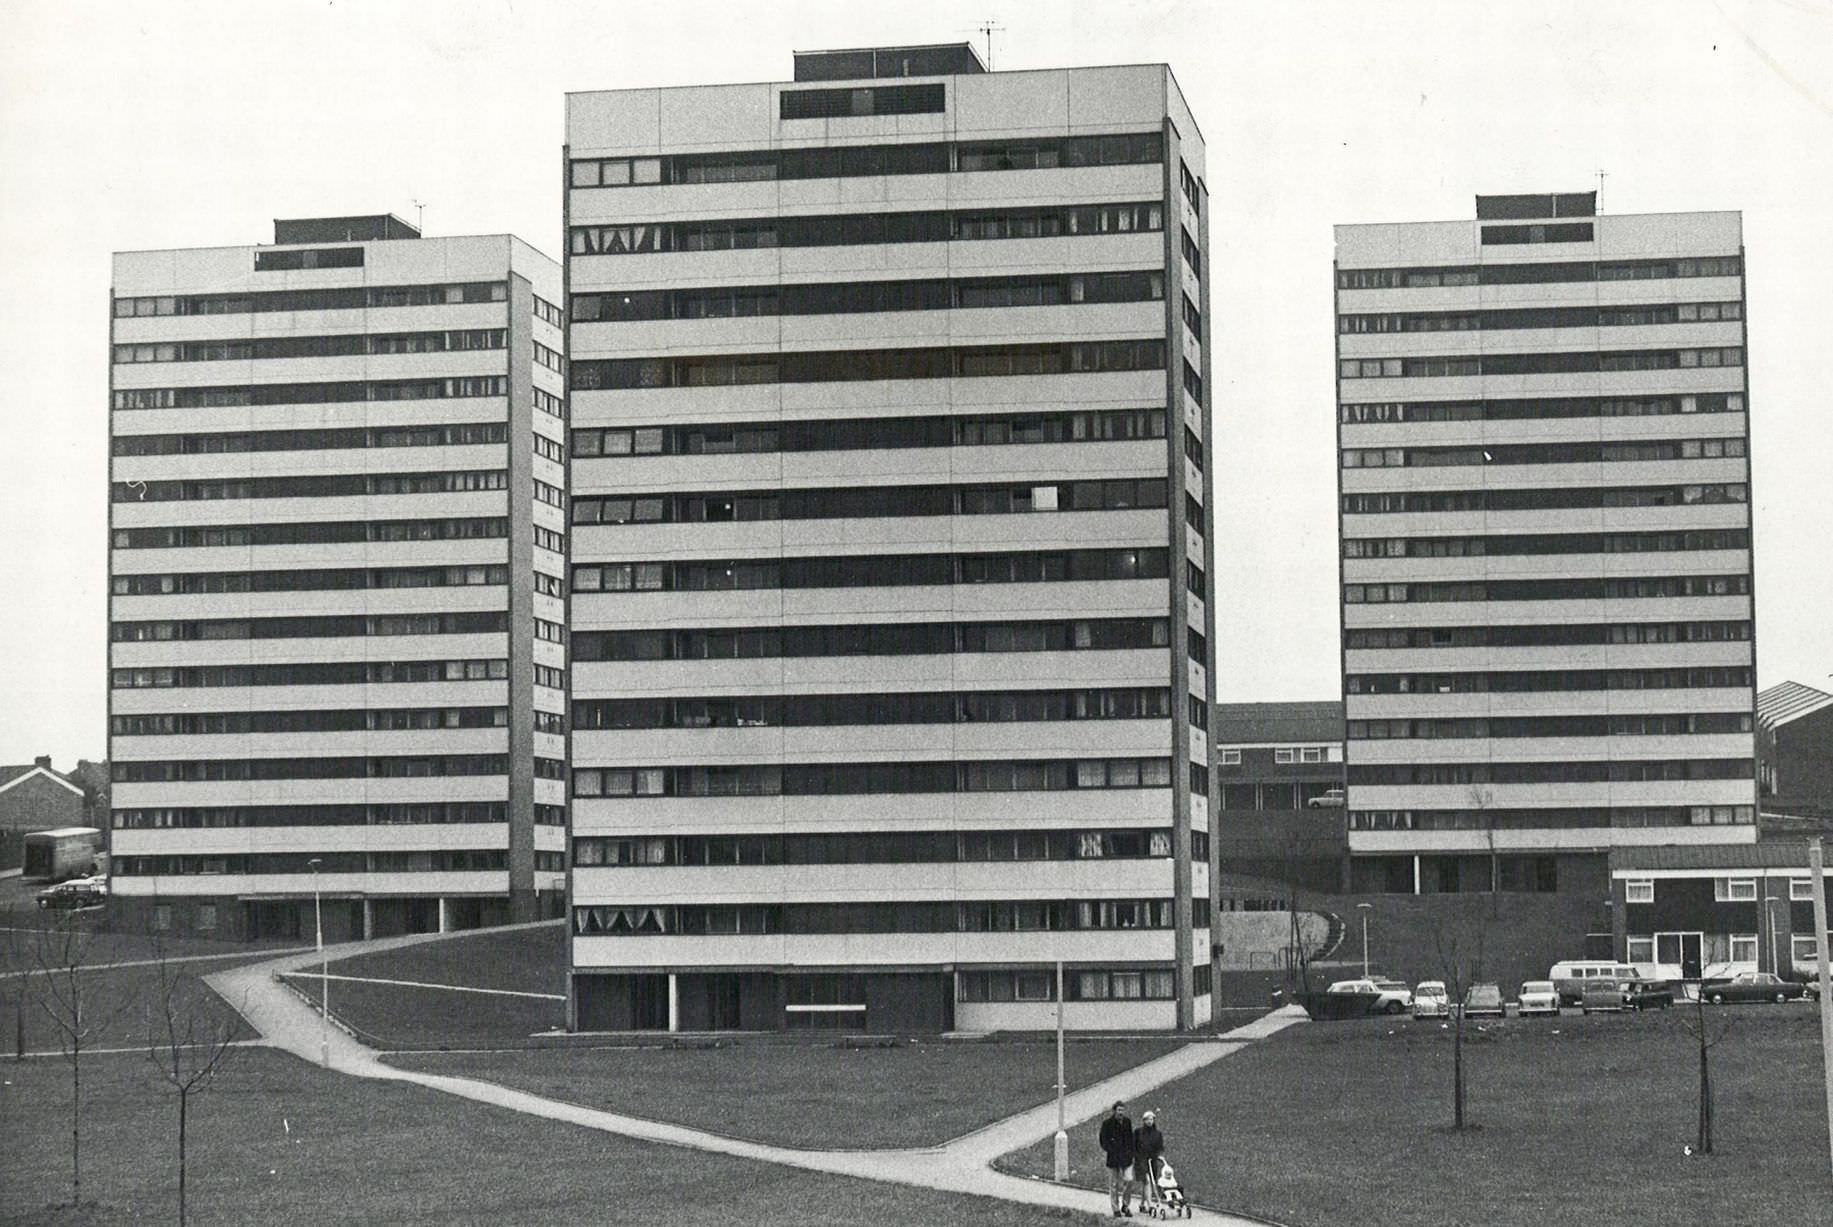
(1577, 1120)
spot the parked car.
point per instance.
(1605, 997)
(1391, 996)
(1329, 799)
(1484, 1000)
(76, 893)
(1758, 986)
(1647, 995)
(1538, 997)
(1430, 1000)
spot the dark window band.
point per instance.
(868, 229)
(1386, 637)
(445, 860)
(920, 99)
(1502, 545)
(880, 639)
(873, 847)
(874, 570)
(852, 502)
(1538, 274)
(887, 778)
(979, 916)
(1582, 362)
(357, 720)
(1617, 771)
(417, 813)
(851, 161)
(318, 673)
(1382, 413)
(1540, 499)
(1637, 315)
(1730, 677)
(852, 434)
(1619, 589)
(827, 366)
(327, 485)
(353, 392)
(339, 768)
(322, 533)
(1683, 724)
(331, 299)
(1624, 451)
(1551, 818)
(916, 707)
(466, 434)
(322, 627)
(338, 345)
(347, 579)
(839, 298)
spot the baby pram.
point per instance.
(1164, 1195)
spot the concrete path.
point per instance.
(287, 1022)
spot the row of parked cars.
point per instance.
(1620, 990)
(75, 894)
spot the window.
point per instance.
(206, 918)
(1639, 890)
(1801, 889)
(162, 917)
(1311, 754)
(1734, 890)
(1640, 950)
(1285, 754)
(1229, 758)
(1804, 948)
(1743, 947)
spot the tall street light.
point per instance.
(1775, 955)
(1365, 909)
(324, 979)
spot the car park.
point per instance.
(1484, 1001)
(1757, 986)
(1390, 996)
(1538, 997)
(1431, 1000)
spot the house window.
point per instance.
(162, 917)
(206, 918)
(1641, 950)
(1743, 947)
(1734, 890)
(1639, 890)
(1285, 754)
(1801, 889)
(1312, 754)
(1230, 758)
(1804, 948)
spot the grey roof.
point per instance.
(1248, 724)
(1770, 854)
(1788, 701)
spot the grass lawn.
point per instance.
(531, 960)
(117, 1004)
(1577, 1120)
(811, 1095)
(277, 1141)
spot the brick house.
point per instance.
(35, 797)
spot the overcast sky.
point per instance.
(146, 125)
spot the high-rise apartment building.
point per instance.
(337, 537)
(1546, 554)
(890, 550)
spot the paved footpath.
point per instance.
(288, 1022)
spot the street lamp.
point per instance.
(1365, 909)
(324, 979)
(1775, 955)
(1060, 1155)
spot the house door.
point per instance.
(1682, 950)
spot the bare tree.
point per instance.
(1710, 1030)
(58, 981)
(188, 1042)
(1482, 800)
(1459, 943)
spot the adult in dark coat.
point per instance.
(1148, 1149)
(1117, 1148)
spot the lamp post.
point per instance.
(1365, 909)
(1061, 1150)
(324, 979)
(1775, 955)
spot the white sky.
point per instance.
(146, 125)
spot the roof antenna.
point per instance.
(1600, 204)
(989, 29)
(420, 216)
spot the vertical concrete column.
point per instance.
(674, 1003)
(445, 914)
(369, 919)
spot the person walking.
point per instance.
(1148, 1149)
(1117, 1147)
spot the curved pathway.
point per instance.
(287, 1022)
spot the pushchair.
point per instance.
(1164, 1195)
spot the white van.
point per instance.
(1571, 978)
